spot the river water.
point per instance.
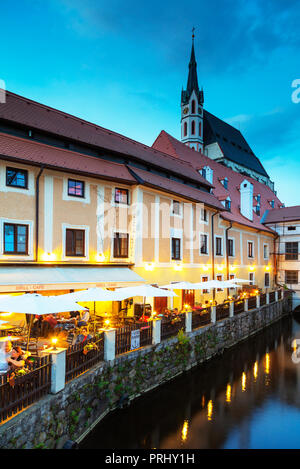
(247, 398)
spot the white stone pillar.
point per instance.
(213, 315)
(282, 294)
(156, 331)
(258, 301)
(231, 309)
(276, 295)
(246, 304)
(188, 321)
(109, 344)
(267, 298)
(58, 370)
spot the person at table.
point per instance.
(84, 317)
(83, 336)
(16, 359)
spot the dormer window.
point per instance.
(272, 203)
(225, 183)
(207, 173)
(228, 204)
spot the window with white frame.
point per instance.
(176, 208)
(230, 247)
(203, 243)
(266, 251)
(267, 280)
(219, 246)
(250, 249)
(203, 214)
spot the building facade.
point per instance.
(286, 223)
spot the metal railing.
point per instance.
(202, 318)
(124, 342)
(20, 391)
(172, 327)
(222, 311)
(81, 357)
(238, 306)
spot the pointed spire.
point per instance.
(192, 83)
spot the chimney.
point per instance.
(246, 193)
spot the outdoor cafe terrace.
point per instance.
(33, 327)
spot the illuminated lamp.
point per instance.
(100, 257)
(220, 267)
(49, 256)
(149, 266)
(54, 342)
(252, 267)
(177, 267)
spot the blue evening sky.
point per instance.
(122, 65)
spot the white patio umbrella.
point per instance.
(142, 290)
(91, 294)
(180, 286)
(34, 304)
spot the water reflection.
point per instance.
(248, 398)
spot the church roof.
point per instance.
(167, 143)
(192, 83)
(232, 143)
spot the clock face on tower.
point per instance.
(185, 110)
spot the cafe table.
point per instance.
(4, 328)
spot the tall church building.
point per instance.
(192, 100)
(207, 134)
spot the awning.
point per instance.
(35, 278)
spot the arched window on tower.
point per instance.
(185, 129)
(193, 128)
(193, 106)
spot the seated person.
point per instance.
(83, 336)
(74, 316)
(51, 319)
(16, 359)
(84, 319)
(5, 352)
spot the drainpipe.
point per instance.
(213, 253)
(227, 256)
(37, 200)
(275, 259)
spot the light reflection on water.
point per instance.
(248, 398)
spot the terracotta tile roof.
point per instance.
(196, 195)
(23, 150)
(31, 152)
(284, 214)
(18, 109)
(166, 142)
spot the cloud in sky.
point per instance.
(122, 65)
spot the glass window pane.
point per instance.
(9, 238)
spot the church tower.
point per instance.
(192, 100)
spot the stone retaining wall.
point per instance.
(74, 411)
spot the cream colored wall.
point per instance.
(76, 213)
